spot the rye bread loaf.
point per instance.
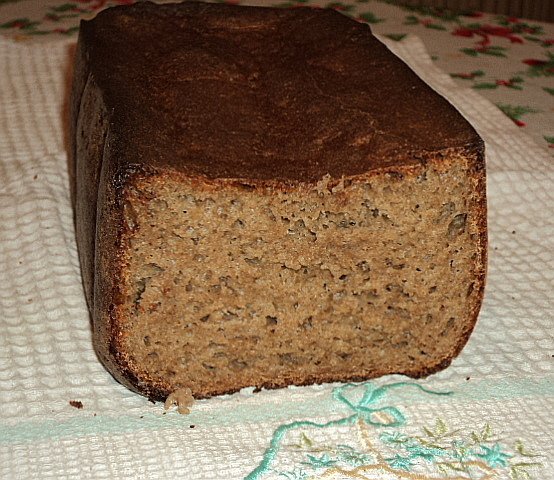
(269, 197)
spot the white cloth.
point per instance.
(503, 378)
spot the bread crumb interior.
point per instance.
(231, 287)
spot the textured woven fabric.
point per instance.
(496, 421)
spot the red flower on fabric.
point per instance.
(463, 32)
(539, 67)
(17, 24)
(533, 62)
(485, 32)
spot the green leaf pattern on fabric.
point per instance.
(374, 441)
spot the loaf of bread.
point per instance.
(267, 197)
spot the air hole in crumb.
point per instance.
(457, 226)
(229, 315)
(449, 325)
(140, 288)
(238, 365)
(269, 320)
(130, 215)
(363, 266)
(307, 324)
(289, 358)
(395, 175)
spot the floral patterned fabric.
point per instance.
(489, 416)
(508, 60)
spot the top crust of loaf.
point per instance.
(278, 95)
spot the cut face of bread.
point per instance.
(236, 229)
(225, 286)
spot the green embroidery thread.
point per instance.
(439, 450)
(363, 410)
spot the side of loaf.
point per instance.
(245, 218)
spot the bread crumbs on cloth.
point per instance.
(182, 398)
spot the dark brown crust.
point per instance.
(371, 139)
(298, 108)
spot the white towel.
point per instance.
(496, 420)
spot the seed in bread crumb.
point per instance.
(76, 403)
(182, 398)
